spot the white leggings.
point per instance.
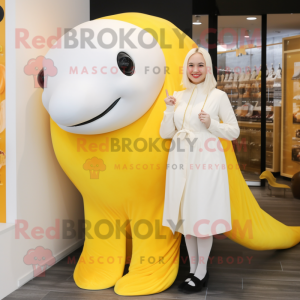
(198, 250)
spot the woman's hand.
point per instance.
(170, 100)
(204, 118)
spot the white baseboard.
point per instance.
(6, 227)
(58, 257)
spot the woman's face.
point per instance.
(196, 68)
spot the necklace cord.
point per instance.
(189, 103)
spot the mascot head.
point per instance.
(105, 74)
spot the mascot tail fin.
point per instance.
(252, 227)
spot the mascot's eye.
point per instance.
(40, 78)
(125, 63)
(43, 258)
(35, 258)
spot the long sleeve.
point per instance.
(229, 129)
(167, 127)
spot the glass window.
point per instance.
(200, 30)
(239, 75)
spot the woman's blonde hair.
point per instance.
(210, 81)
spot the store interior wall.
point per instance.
(38, 191)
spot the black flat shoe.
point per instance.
(190, 275)
(189, 289)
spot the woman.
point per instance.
(197, 201)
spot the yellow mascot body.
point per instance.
(123, 191)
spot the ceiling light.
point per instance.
(251, 18)
(247, 34)
(197, 21)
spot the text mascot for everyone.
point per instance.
(105, 99)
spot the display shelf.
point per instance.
(273, 125)
(290, 114)
(240, 77)
(255, 124)
(272, 143)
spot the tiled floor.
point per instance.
(270, 275)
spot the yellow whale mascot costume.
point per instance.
(105, 94)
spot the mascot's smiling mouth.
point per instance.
(99, 116)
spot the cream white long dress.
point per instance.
(197, 192)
